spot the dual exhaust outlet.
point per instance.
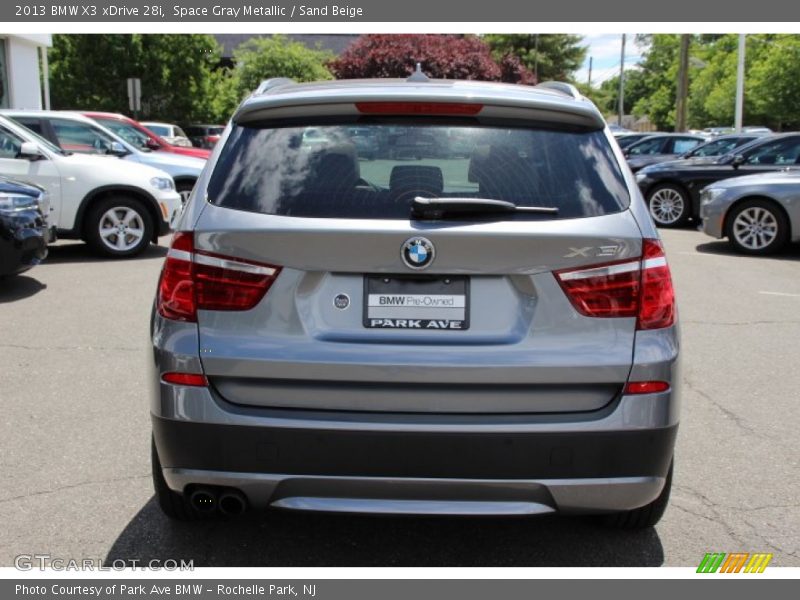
(207, 501)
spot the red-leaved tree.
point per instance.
(441, 56)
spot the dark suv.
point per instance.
(483, 330)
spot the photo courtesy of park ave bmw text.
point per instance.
(370, 299)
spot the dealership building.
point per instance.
(24, 71)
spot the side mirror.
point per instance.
(737, 161)
(626, 154)
(152, 144)
(117, 149)
(30, 151)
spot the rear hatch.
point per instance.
(399, 277)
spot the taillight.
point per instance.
(193, 379)
(639, 288)
(646, 387)
(193, 280)
(418, 108)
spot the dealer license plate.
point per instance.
(434, 303)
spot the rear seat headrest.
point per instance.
(423, 178)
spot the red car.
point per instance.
(134, 133)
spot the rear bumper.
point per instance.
(422, 470)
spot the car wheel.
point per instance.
(184, 188)
(172, 504)
(119, 227)
(645, 516)
(669, 205)
(757, 227)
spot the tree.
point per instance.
(441, 56)
(90, 71)
(608, 97)
(549, 56)
(258, 59)
(659, 78)
(775, 84)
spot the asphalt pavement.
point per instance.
(75, 434)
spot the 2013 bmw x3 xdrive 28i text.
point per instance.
(477, 318)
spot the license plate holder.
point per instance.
(416, 303)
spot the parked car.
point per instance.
(172, 133)
(659, 148)
(491, 334)
(75, 133)
(24, 232)
(204, 136)
(759, 214)
(141, 137)
(628, 139)
(672, 189)
(118, 207)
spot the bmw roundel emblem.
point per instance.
(417, 253)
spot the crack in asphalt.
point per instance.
(739, 421)
(72, 486)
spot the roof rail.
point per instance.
(561, 86)
(268, 84)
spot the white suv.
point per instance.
(116, 207)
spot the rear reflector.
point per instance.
(646, 387)
(640, 288)
(193, 280)
(418, 108)
(193, 379)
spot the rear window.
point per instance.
(375, 170)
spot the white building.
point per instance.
(22, 83)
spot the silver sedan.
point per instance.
(759, 214)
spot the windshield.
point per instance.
(126, 131)
(376, 170)
(716, 147)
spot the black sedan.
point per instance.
(23, 226)
(659, 148)
(672, 189)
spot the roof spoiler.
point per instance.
(560, 86)
(269, 84)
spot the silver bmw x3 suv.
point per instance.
(415, 296)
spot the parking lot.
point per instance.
(74, 435)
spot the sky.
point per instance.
(605, 48)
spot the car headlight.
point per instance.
(710, 194)
(640, 177)
(17, 202)
(162, 183)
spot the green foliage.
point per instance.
(775, 82)
(181, 79)
(90, 71)
(553, 56)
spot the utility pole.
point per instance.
(622, 82)
(589, 83)
(683, 84)
(740, 85)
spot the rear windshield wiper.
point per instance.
(440, 208)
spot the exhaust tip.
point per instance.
(203, 501)
(232, 503)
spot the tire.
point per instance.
(757, 227)
(184, 188)
(645, 516)
(119, 226)
(669, 205)
(172, 504)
